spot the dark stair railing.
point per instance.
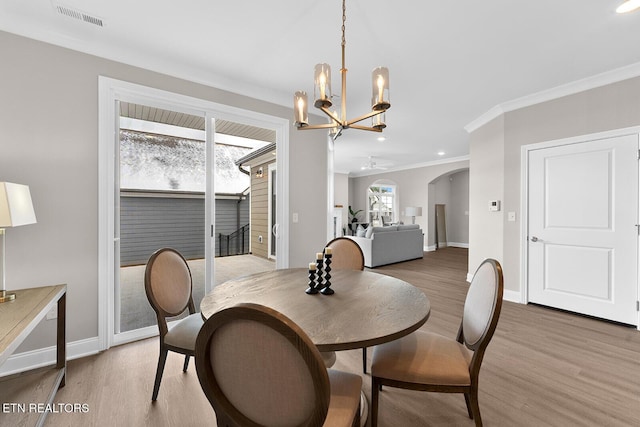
(236, 243)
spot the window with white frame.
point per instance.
(381, 204)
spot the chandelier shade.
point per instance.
(300, 108)
(323, 95)
(322, 86)
(380, 93)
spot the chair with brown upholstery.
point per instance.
(167, 282)
(258, 368)
(427, 361)
(347, 255)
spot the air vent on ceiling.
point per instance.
(77, 14)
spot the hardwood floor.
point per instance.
(543, 368)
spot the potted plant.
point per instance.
(354, 214)
(354, 219)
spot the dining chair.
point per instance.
(258, 368)
(167, 282)
(347, 255)
(426, 361)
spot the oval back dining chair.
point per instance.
(427, 361)
(168, 285)
(258, 368)
(347, 255)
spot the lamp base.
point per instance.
(6, 296)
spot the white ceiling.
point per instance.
(450, 61)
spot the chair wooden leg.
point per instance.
(375, 386)
(475, 407)
(186, 363)
(466, 399)
(364, 360)
(162, 358)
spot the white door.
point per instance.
(583, 238)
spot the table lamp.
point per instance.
(413, 212)
(15, 209)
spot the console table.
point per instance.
(18, 318)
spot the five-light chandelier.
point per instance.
(322, 95)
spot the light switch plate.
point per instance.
(511, 216)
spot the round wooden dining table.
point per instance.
(366, 309)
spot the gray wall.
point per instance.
(452, 190)
(341, 194)
(49, 141)
(458, 213)
(150, 223)
(495, 151)
(413, 190)
(486, 182)
(153, 221)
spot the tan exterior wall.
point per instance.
(260, 211)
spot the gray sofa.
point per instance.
(386, 245)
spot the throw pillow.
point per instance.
(360, 231)
(369, 232)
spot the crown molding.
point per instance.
(599, 80)
(407, 167)
(145, 61)
(485, 118)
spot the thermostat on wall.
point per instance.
(494, 205)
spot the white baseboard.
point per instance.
(47, 356)
(507, 294)
(448, 245)
(458, 245)
(513, 296)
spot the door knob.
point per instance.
(534, 239)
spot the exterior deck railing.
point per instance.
(236, 243)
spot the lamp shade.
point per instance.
(413, 211)
(15, 205)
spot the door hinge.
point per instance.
(212, 230)
(638, 154)
(637, 305)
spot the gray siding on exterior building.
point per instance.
(151, 221)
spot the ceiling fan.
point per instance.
(371, 164)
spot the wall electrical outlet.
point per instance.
(53, 313)
(259, 239)
(511, 216)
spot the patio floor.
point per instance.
(135, 311)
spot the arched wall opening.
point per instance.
(450, 189)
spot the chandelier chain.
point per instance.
(344, 19)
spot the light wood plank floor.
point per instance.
(543, 368)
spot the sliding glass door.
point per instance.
(162, 177)
(177, 171)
